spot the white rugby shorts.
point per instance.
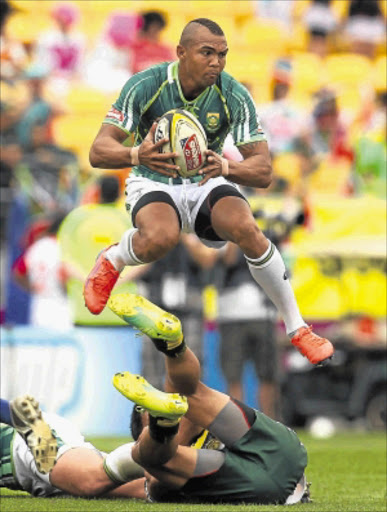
(187, 197)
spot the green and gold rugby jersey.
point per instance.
(222, 108)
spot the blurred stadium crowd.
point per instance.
(317, 72)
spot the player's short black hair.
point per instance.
(212, 26)
(136, 423)
(188, 33)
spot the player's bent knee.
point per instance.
(158, 242)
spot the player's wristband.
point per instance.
(134, 155)
(224, 167)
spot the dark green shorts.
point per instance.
(264, 466)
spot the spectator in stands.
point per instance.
(326, 137)
(39, 110)
(83, 234)
(280, 119)
(48, 174)
(279, 11)
(109, 64)
(320, 22)
(61, 49)
(365, 27)
(247, 332)
(147, 49)
(370, 164)
(41, 272)
(13, 57)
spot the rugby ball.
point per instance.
(186, 137)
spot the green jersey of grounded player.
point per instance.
(209, 204)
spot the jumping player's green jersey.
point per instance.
(222, 108)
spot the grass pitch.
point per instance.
(347, 471)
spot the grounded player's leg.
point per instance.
(157, 232)
(80, 472)
(232, 220)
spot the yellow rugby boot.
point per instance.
(29, 423)
(162, 327)
(169, 406)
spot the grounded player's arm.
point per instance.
(108, 152)
(254, 170)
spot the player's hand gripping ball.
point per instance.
(186, 137)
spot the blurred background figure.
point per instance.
(41, 272)
(281, 119)
(370, 159)
(13, 56)
(38, 111)
(320, 22)
(279, 11)
(365, 27)
(109, 65)
(85, 231)
(61, 48)
(147, 49)
(247, 329)
(47, 174)
(326, 142)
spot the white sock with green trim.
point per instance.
(120, 466)
(270, 273)
(122, 254)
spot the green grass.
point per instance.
(347, 471)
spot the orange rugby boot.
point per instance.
(100, 283)
(318, 350)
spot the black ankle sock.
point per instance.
(162, 346)
(161, 434)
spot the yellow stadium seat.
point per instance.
(379, 73)
(331, 177)
(298, 39)
(82, 100)
(287, 166)
(255, 69)
(347, 69)
(77, 132)
(27, 27)
(308, 72)
(340, 8)
(264, 37)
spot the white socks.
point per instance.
(122, 254)
(269, 272)
(120, 466)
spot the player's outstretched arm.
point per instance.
(254, 170)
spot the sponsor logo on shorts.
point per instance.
(212, 121)
(192, 153)
(115, 114)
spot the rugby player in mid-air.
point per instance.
(209, 204)
(257, 460)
